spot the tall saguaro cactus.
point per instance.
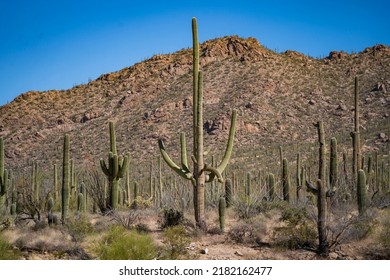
(202, 172)
(4, 181)
(322, 193)
(356, 135)
(115, 170)
(65, 180)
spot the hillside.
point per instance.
(278, 97)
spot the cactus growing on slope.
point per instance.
(65, 180)
(202, 172)
(115, 169)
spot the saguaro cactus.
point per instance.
(3, 178)
(333, 166)
(202, 172)
(228, 192)
(65, 180)
(221, 212)
(356, 135)
(286, 181)
(115, 170)
(322, 193)
(361, 192)
(271, 187)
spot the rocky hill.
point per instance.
(278, 97)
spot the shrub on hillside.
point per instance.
(121, 244)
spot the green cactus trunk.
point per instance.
(65, 180)
(221, 212)
(285, 181)
(356, 164)
(271, 187)
(3, 180)
(323, 247)
(333, 166)
(228, 193)
(35, 180)
(361, 192)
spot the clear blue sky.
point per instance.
(58, 44)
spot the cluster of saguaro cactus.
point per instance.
(202, 172)
(115, 170)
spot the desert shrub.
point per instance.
(384, 234)
(176, 240)
(79, 228)
(362, 227)
(298, 230)
(141, 227)
(39, 225)
(128, 220)
(121, 244)
(6, 250)
(171, 217)
(215, 230)
(251, 231)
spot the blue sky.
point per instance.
(58, 44)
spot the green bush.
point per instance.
(79, 228)
(121, 244)
(6, 250)
(298, 232)
(176, 240)
(384, 235)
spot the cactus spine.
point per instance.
(202, 172)
(361, 192)
(65, 180)
(115, 169)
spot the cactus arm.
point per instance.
(112, 138)
(123, 166)
(229, 147)
(311, 188)
(104, 168)
(214, 173)
(183, 144)
(183, 173)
